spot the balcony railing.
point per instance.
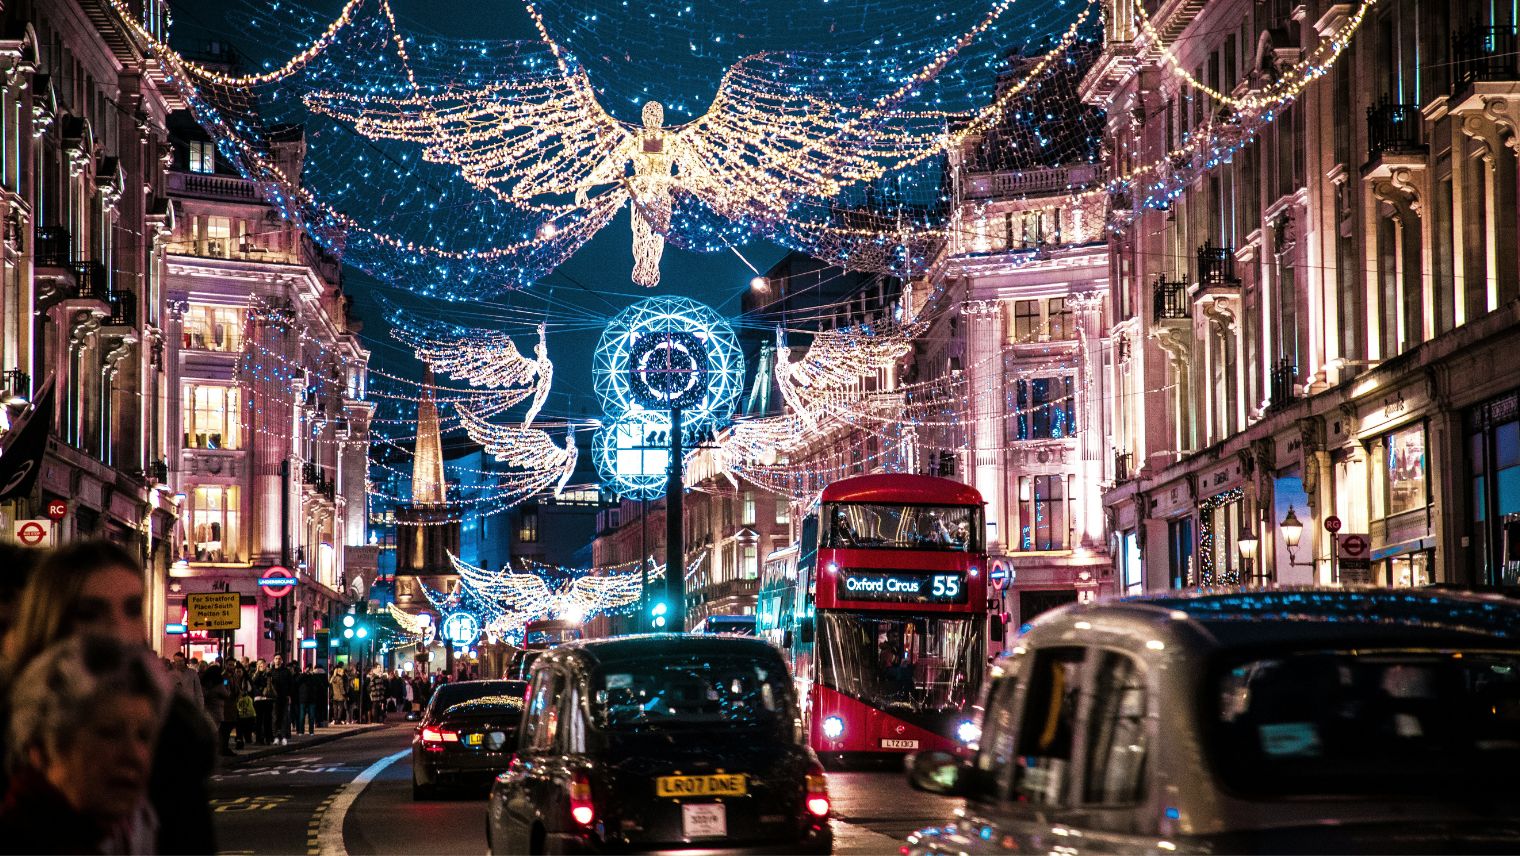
(1216, 266)
(54, 246)
(213, 186)
(1122, 464)
(123, 309)
(1484, 53)
(158, 471)
(326, 488)
(1172, 300)
(90, 282)
(310, 473)
(1393, 128)
(1284, 382)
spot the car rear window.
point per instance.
(691, 691)
(452, 696)
(1368, 722)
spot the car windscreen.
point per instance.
(451, 696)
(1367, 722)
(686, 690)
(902, 663)
(892, 526)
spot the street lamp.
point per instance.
(1292, 531)
(1247, 546)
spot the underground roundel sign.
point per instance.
(277, 582)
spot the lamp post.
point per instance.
(1292, 531)
(1247, 546)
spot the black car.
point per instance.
(661, 743)
(466, 735)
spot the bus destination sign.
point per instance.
(901, 586)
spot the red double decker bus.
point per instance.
(882, 606)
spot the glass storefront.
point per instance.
(1493, 466)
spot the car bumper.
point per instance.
(576, 843)
(450, 768)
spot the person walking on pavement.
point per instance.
(306, 708)
(280, 685)
(339, 685)
(377, 695)
(187, 680)
(214, 685)
(263, 704)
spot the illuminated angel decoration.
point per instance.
(522, 448)
(517, 597)
(762, 145)
(831, 371)
(486, 358)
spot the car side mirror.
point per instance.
(937, 773)
(807, 631)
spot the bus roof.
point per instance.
(902, 488)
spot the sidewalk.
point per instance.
(325, 734)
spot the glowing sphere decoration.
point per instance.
(656, 355)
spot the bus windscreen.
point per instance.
(881, 526)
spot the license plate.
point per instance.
(474, 739)
(701, 786)
(889, 743)
(704, 820)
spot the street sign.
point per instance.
(277, 582)
(308, 644)
(33, 533)
(1332, 524)
(1353, 556)
(214, 611)
(174, 629)
(57, 509)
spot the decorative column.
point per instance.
(1092, 437)
(984, 370)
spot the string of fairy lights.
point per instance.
(506, 157)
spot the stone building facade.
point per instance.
(1314, 325)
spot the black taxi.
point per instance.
(669, 742)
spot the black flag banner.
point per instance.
(25, 443)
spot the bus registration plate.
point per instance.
(889, 743)
(701, 786)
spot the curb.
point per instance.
(316, 740)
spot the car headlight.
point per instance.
(968, 732)
(833, 726)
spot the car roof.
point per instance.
(503, 683)
(656, 645)
(1254, 617)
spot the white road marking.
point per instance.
(330, 833)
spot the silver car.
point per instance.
(1270, 721)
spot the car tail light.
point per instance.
(581, 808)
(817, 800)
(439, 735)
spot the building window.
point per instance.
(747, 517)
(213, 417)
(214, 328)
(1042, 513)
(214, 533)
(1044, 409)
(1060, 320)
(749, 562)
(202, 156)
(527, 527)
(219, 236)
(1026, 320)
(1399, 459)
(783, 511)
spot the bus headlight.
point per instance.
(968, 732)
(833, 727)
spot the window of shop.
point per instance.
(202, 156)
(1060, 320)
(1026, 320)
(783, 511)
(1042, 512)
(527, 527)
(214, 533)
(213, 417)
(749, 562)
(214, 328)
(218, 236)
(1220, 518)
(747, 513)
(1399, 459)
(1493, 461)
(1180, 552)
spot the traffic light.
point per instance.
(349, 630)
(273, 626)
(657, 612)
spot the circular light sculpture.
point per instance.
(665, 352)
(657, 355)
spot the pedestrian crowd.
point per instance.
(108, 748)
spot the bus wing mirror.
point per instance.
(786, 638)
(807, 631)
(995, 629)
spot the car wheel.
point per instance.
(421, 791)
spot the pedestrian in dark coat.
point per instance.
(214, 688)
(282, 685)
